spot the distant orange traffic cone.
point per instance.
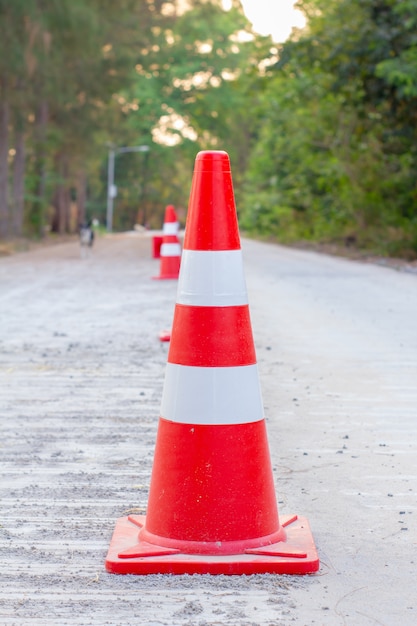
(165, 335)
(212, 505)
(170, 252)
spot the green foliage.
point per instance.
(197, 80)
(321, 132)
(80, 76)
(336, 158)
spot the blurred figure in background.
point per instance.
(86, 239)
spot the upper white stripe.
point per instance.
(212, 278)
(212, 395)
(170, 249)
(170, 228)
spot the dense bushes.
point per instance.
(337, 154)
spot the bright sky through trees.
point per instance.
(272, 17)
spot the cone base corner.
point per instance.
(297, 555)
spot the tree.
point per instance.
(342, 163)
(12, 65)
(80, 76)
(196, 87)
(58, 75)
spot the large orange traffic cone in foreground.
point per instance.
(212, 505)
(170, 252)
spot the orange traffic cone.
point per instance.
(212, 505)
(170, 252)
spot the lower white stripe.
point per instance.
(212, 278)
(170, 249)
(212, 395)
(170, 228)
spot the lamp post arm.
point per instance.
(133, 149)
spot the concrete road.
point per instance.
(81, 370)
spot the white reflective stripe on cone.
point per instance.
(170, 228)
(212, 278)
(170, 249)
(212, 395)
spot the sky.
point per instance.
(273, 17)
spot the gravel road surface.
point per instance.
(81, 376)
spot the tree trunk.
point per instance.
(67, 201)
(18, 184)
(38, 209)
(60, 223)
(58, 220)
(4, 156)
(81, 196)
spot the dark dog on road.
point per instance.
(86, 239)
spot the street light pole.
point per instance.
(111, 189)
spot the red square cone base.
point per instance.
(296, 555)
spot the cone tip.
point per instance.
(170, 214)
(212, 160)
